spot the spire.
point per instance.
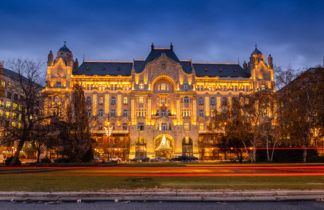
(50, 58)
(152, 46)
(171, 46)
(245, 66)
(270, 62)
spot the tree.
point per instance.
(27, 115)
(301, 108)
(74, 133)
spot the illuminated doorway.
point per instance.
(164, 146)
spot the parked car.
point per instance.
(158, 159)
(116, 159)
(184, 158)
(141, 159)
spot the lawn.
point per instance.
(93, 183)
(181, 177)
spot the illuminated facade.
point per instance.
(159, 106)
(10, 105)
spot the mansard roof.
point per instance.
(115, 68)
(220, 70)
(157, 52)
(102, 68)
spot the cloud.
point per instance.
(218, 31)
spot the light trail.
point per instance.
(186, 174)
(170, 168)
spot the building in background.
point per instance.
(10, 104)
(159, 106)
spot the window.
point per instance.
(235, 88)
(163, 112)
(1, 103)
(185, 86)
(186, 99)
(125, 113)
(14, 106)
(201, 113)
(9, 95)
(201, 126)
(140, 126)
(58, 85)
(100, 126)
(125, 101)
(3, 83)
(125, 126)
(113, 113)
(15, 97)
(163, 100)
(186, 126)
(140, 112)
(113, 100)
(164, 87)
(88, 100)
(89, 112)
(186, 113)
(100, 113)
(212, 101)
(164, 127)
(8, 104)
(224, 101)
(141, 86)
(141, 99)
(101, 100)
(157, 112)
(201, 101)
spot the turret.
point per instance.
(75, 65)
(66, 54)
(245, 66)
(270, 63)
(50, 58)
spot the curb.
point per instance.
(190, 196)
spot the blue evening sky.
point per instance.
(205, 31)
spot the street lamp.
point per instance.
(108, 130)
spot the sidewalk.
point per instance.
(116, 196)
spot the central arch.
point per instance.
(164, 146)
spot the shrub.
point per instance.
(62, 160)
(88, 157)
(9, 159)
(45, 160)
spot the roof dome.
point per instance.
(64, 48)
(257, 51)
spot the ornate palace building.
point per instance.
(159, 106)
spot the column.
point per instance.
(94, 105)
(106, 104)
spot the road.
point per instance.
(297, 205)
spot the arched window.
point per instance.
(186, 99)
(164, 87)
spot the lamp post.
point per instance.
(108, 129)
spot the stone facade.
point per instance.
(159, 99)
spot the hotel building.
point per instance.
(159, 106)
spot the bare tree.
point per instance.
(301, 105)
(28, 110)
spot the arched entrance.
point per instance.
(164, 146)
(187, 149)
